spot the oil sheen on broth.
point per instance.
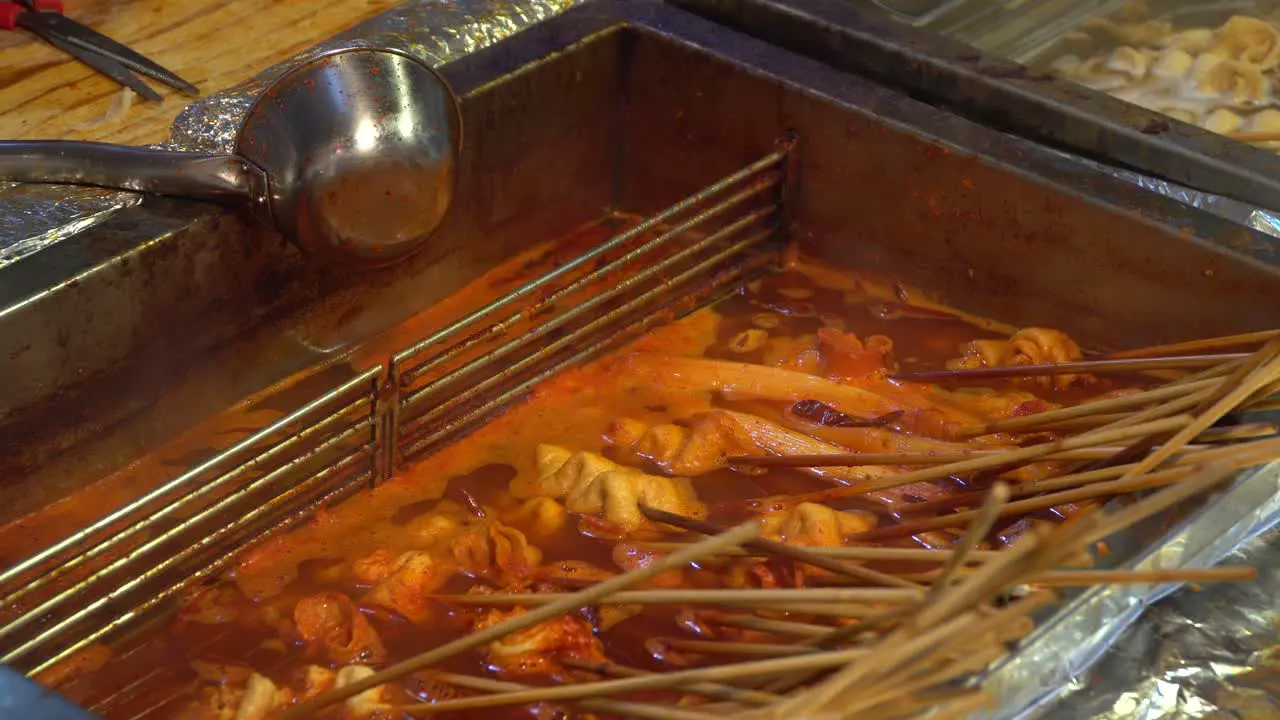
(455, 515)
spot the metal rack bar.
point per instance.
(600, 322)
(214, 566)
(168, 510)
(620, 289)
(617, 241)
(647, 322)
(18, 569)
(124, 561)
(272, 483)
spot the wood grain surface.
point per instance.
(214, 44)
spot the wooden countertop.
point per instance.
(214, 44)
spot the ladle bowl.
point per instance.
(351, 155)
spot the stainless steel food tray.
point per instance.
(1009, 96)
(1027, 31)
(996, 25)
(632, 105)
(1034, 33)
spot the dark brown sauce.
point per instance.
(151, 676)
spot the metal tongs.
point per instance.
(44, 18)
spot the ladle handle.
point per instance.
(200, 176)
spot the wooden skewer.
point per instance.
(1020, 507)
(978, 528)
(1210, 476)
(974, 661)
(1067, 578)
(1220, 402)
(1255, 136)
(1241, 369)
(1131, 365)
(860, 459)
(1234, 371)
(1165, 409)
(1262, 450)
(954, 704)
(1057, 578)
(834, 610)
(787, 551)
(711, 690)
(797, 596)
(869, 553)
(1194, 346)
(1248, 431)
(775, 627)
(901, 647)
(621, 707)
(1271, 392)
(569, 603)
(977, 588)
(831, 638)
(961, 707)
(974, 591)
(1038, 551)
(1101, 436)
(1098, 407)
(1035, 487)
(986, 516)
(1088, 422)
(1097, 525)
(1247, 386)
(663, 681)
(1265, 405)
(718, 647)
(1210, 435)
(1035, 552)
(897, 648)
(865, 623)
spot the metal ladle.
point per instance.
(351, 155)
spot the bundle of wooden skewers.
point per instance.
(878, 644)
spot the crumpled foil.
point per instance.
(434, 31)
(33, 217)
(1208, 654)
(1055, 674)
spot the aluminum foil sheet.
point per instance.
(1263, 220)
(1208, 654)
(33, 217)
(1055, 674)
(435, 31)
